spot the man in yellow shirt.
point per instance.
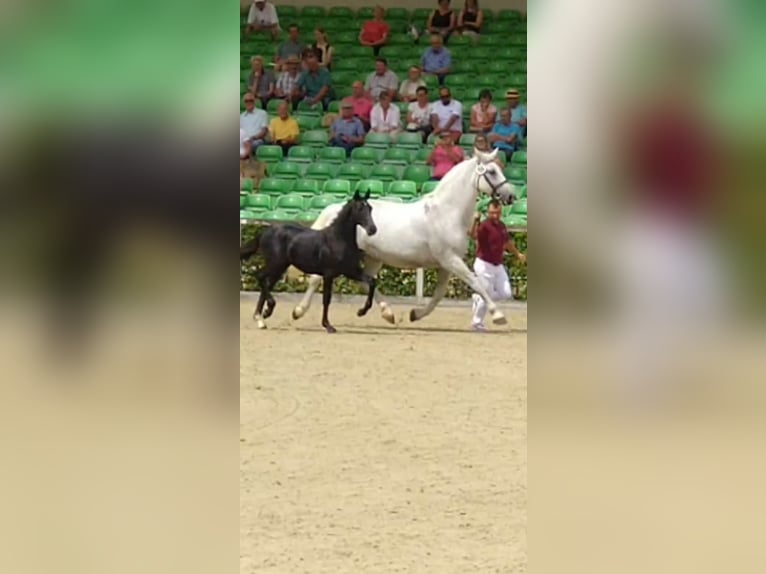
(284, 130)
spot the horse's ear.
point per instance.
(357, 197)
(367, 195)
(492, 155)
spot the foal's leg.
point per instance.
(362, 277)
(439, 292)
(457, 266)
(265, 281)
(326, 298)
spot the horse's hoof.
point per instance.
(389, 317)
(297, 313)
(361, 312)
(330, 330)
(499, 319)
(414, 316)
(261, 325)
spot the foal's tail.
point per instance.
(250, 248)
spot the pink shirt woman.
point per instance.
(445, 156)
(483, 114)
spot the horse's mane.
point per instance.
(341, 224)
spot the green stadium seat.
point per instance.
(515, 173)
(257, 202)
(274, 186)
(420, 15)
(409, 140)
(467, 141)
(321, 171)
(367, 155)
(247, 185)
(521, 191)
(512, 15)
(404, 189)
(417, 173)
(321, 201)
(312, 12)
(337, 187)
(463, 67)
(306, 187)
(519, 207)
(385, 172)
(340, 12)
(277, 215)
(307, 217)
(306, 109)
(292, 202)
(246, 214)
(519, 158)
(286, 170)
(301, 153)
(269, 153)
(422, 155)
(308, 122)
(334, 107)
(428, 186)
(334, 155)
(365, 13)
(273, 105)
(286, 11)
(459, 80)
(393, 198)
(397, 156)
(515, 221)
(377, 140)
(397, 15)
(374, 186)
(352, 171)
(349, 37)
(315, 138)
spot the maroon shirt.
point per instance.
(492, 237)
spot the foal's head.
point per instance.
(358, 211)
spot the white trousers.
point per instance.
(495, 280)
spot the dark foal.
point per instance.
(329, 252)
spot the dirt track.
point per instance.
(382, 449)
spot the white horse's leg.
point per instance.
(457, 266)
(372, 268)
(439, 292)
(303, 306)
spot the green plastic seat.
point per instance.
(306, 187)
(334, 155)
(385, 172)
(420, 15)
(397, 15)
(308, 122)
(247, 215)
(377, 140)
(315, 138)
(301, 153)
(306, 109)
(459, 80)
(515, 221)
(349, 37)
(428, 186)
(274, 186)
(409, 140)
(352, 171)
(417, 173)
(321, 171)
(319, 202)
(366, 155)
(337, 187)
(519, 207)
(397, 156)
(269, 153)
(334, 107)
(374, 186)
(312, 12)
(273, 105)
(404, 189)
(289, 202)
(340, 12)
(467, 141)
(257, 202)
(519, 158)
(307, 217)
(286, 11)
(422, 155)
(277, 215)
(286, 169)
(521, 190)
(366, 13)
(515, 173)
(247, 185)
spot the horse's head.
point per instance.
(361, 213)
(490, 178)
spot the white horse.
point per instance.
(429, 233)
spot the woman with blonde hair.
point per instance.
(261, 81)
(322, 48)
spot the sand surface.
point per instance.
(382, 449)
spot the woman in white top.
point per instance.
(385, 118)
(419, 114)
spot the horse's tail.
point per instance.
(250, 248)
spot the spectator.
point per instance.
(375, 32)
(322, 48)
(447, 116)
(442, 21)
(245, 149)
(408, 91)
(261, 81)
(471, 19)
(287, 82)
(347, 131)
(263, 18)
(284, 130)
(437, 59)
(381, 80)
(419, 114)
(315, 84)
(444, 157)
(385, 118)
(481, 143)
(483, 114)
(254, 122)
(505, 135)
(293, 46)
(518, 110)
(361, 102)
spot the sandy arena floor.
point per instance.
(382, 449)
